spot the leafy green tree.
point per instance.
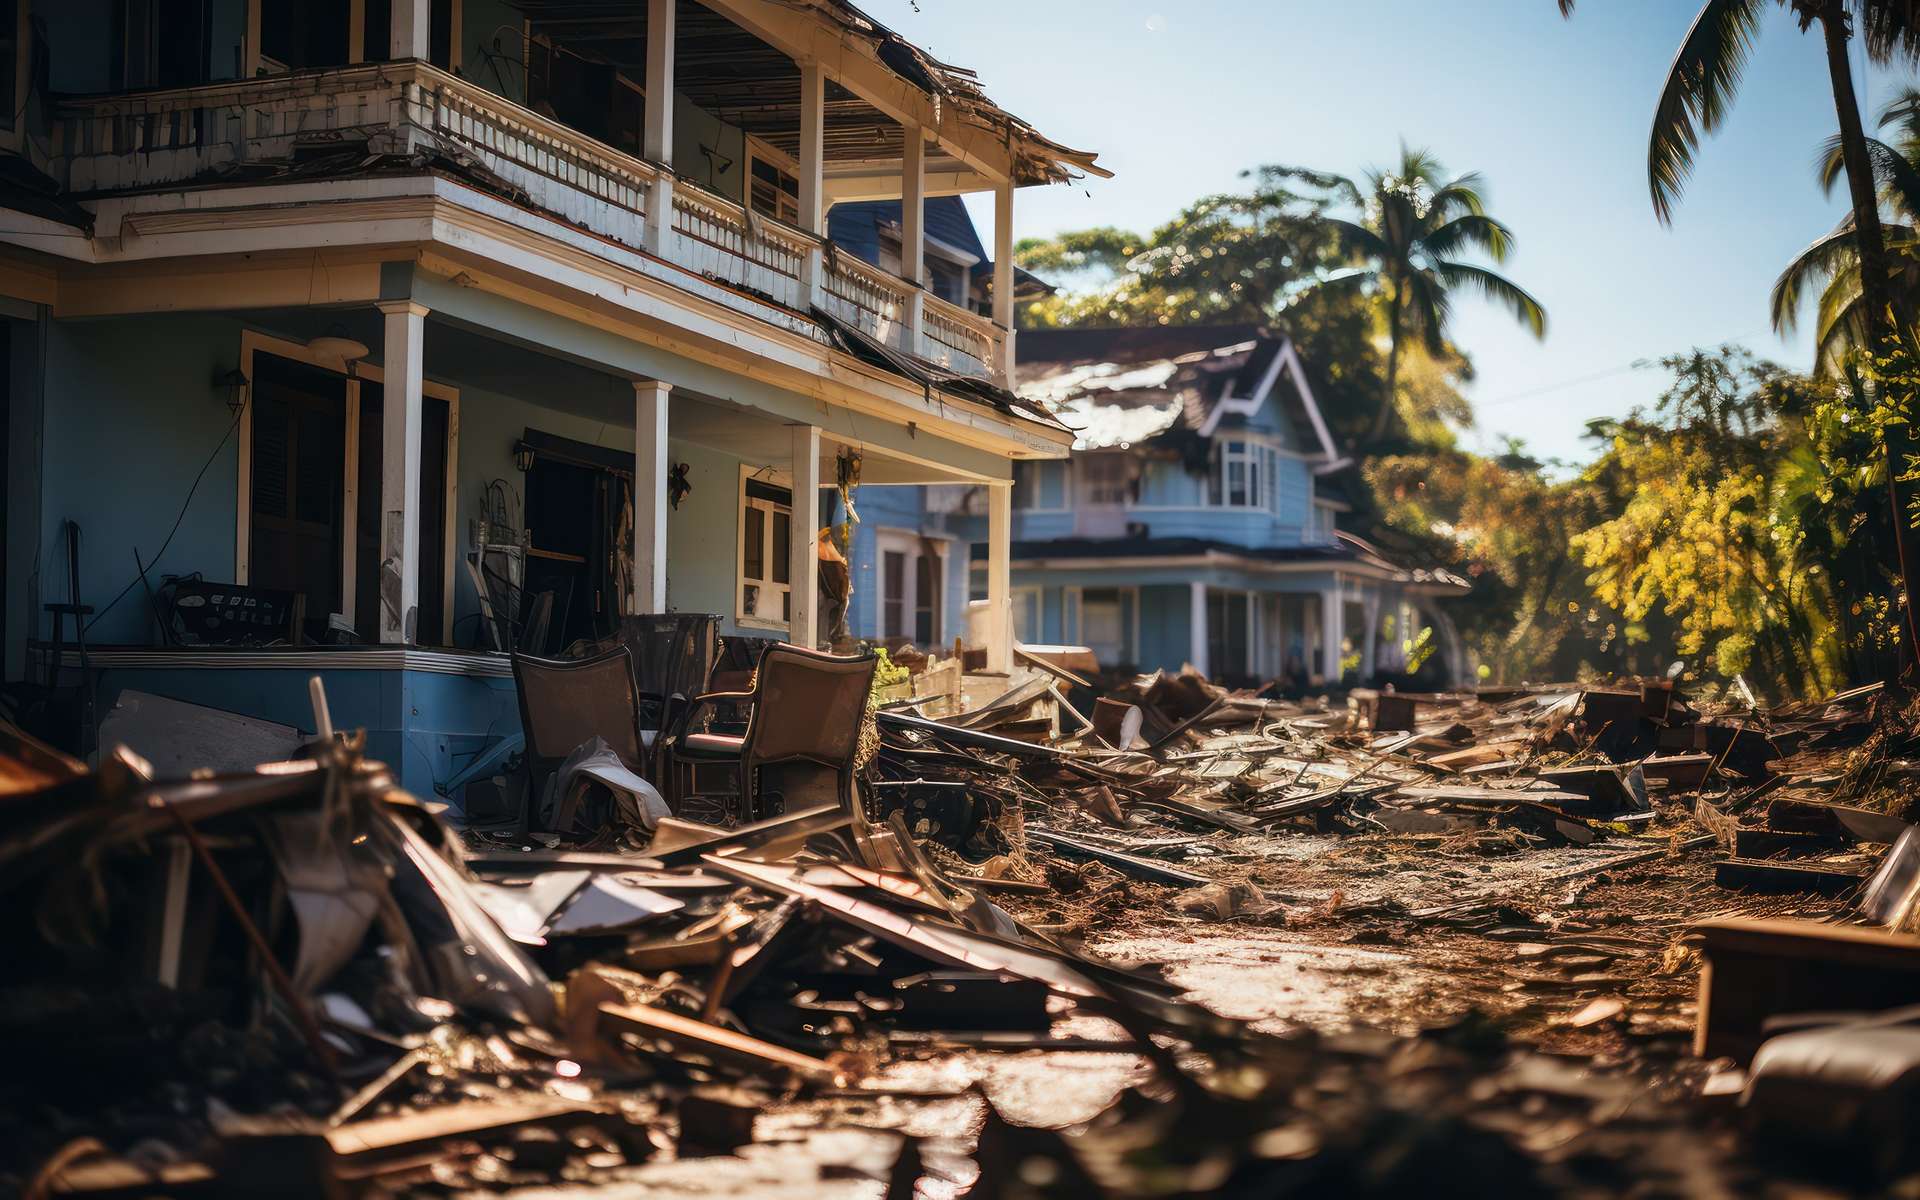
(1415, 223)
(1235, 256)
(1698, 94)
(1719, 527)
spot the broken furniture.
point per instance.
(803, 734)
(566, 703)
(673, 656)
(1760, 969)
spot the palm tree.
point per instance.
(1832, 264)
(1414, 222)
(1699, 92)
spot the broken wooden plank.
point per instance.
(1773, 877)
(695, 1041)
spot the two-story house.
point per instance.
(1194, 522)
(391, 315)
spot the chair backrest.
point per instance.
(808, 705)
(564, 703)
(673, 653)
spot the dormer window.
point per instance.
(1235, 479)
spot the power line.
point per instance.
(1636, 365)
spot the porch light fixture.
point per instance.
(335, 344)
(235, 382)
(523, 456)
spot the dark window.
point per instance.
(573, 91)
(299, 465)
(298, 34)
(1227, 634)
(926, 598)
(9, 58)
(894, 609)
(376, 32)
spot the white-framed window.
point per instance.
(1104, 479)
(912, 586)
(1028, 616)
(1235, 478)
(1106, 624)
(764, 591)
(773, 182)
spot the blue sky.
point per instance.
(1178, 96)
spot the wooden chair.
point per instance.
(566, 702)
(802, 736)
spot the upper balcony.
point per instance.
(780, 108)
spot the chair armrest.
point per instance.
(699, 703)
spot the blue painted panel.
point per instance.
(1166, 617)
(448, 720)
(1294, 480)
(131, 417)
(1166, 482)
(1038, 526)
(366, 700)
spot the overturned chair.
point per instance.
(799, 749)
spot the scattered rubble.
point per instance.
(1441, 942)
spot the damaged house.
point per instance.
(373, 341)
(1196, 521)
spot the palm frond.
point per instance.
(1497, 288)
(1700, 87)
(1895, 176)
(1815, 265)
(1427, 309)
(1890, 29)
(1837, 322)
(1357, 241)
(1475, 230)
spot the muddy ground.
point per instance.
(1576, 951)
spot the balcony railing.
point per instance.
(211, 134)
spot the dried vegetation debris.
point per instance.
(302, 975)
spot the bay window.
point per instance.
(1235, 478)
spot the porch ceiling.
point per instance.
(719, 67)
(736, 429)
(474, 360)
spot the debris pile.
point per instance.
(301, 979)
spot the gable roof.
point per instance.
(1121, 386)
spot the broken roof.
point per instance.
(756, 87)
(1120, 387)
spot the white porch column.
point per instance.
(913, 226)
(650, 495)
(1254, 665)
(401, 407)
(1003, 274)
(656, 138)
(656, 134)
(411, 30)
(1000, 576)
(1333, 615)
(803, 557)
(1370, 638)
(813, 147)
(1197, 629)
